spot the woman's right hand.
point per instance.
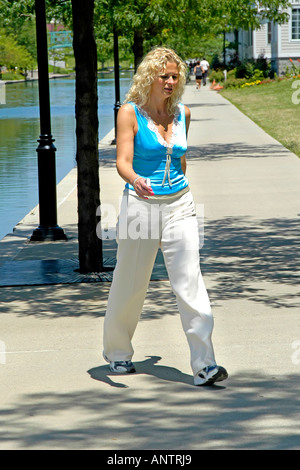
(142, 189)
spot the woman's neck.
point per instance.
(158, 112)
(157, 106)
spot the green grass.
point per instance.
(271, 106)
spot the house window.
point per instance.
(296, 23)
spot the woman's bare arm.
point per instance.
(126, 129)
(187, 124)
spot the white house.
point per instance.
(278, 43)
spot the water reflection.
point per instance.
(20, 129)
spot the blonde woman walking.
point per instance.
(151, 145)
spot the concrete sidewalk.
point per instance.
(57, 392)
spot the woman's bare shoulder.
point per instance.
(127, 118)
(187, 111)
(127, 109)
(126, 113)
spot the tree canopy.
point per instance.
(183, 25)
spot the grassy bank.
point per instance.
(273, 106)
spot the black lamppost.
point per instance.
(48, 228)
(117, 80)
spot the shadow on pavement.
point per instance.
(251, 412)
(226, 151)
(245, 258)
(77, 300)
(149, 367)
(243, 254)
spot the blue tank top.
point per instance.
(157, 160)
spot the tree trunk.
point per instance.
(137, 48)
(90, 246)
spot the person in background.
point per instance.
(198, 72)
(205, 68)
(152, 131)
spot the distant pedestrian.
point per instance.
(198, 74)
(205, 68)
(151, 147)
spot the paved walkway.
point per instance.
(57, 392)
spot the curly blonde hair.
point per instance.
(154, 63)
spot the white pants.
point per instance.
(143, 227)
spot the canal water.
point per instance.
(19, 131)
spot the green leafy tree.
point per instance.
(18, 23)
(60, 10)
(215, 16)
(209, 20)
(26, 37)
(149, 22)
(138, 20)
(105, 44)
(184, 24)
(13, 55)
(13, 14)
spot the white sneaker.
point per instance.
(121, 367)
(210, 374)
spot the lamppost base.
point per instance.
(42, 234)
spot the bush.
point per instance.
(294, 71)
(12, 75)
(244, 70)
(264, 66)
(258, 75)
(216, 75)
(249, 68)
(231, 73)
(250, 72)
(233, 82)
